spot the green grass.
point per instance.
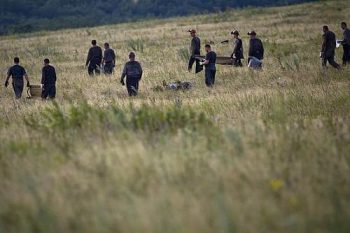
(263, 151)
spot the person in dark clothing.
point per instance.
(210, 67)
(94, 59)
(237, 54)
(256, 49)
(195, 50)
(346, 43)
(48, 80)
(328, 48)
(133, 73)
(108, 59)
(17, 73)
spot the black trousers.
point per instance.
(108, 68)
(210, 77)
(132, 85)
(94, 68)
(331, 61)
(18, 85)
(237, 62)
(346, 54)
(193, 60)
(49, 91)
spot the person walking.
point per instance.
(17, 72)
(345, 43)
(48, 81)
(210, 67)
(94, 59)
(237, 54)
(256, 51)
(108, 60)
(133, 73)
(328, 48)
(195, 50)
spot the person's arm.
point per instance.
(9, 74)
(114, 56)
(235, 45)
(141, 71)
(346, 37)
(123, 75)
(104, 57)
(54, 76)
(27, 78)
(193, 46)
(88, 57)
(250, 53)
(206, 61)
(100, 55)
(324, 43)
(43, 76)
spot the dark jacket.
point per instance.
(256, 48)
(346, 37)
(195, 46)
(94, 56)
(48, 77)
(109, 56)
(16, 72)
(132, 69)
(238, 49)
(329, 44)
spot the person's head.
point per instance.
(106, 45)
(46, 61)
(207, 48)
(252, 34)
(235, 34)
(16, 60)
(325, 28)
(343, 25)
(193, 32)
(94, 42)
(132, 56)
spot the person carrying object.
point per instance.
(256, 51)
(328, 48)
(48, 81)
(210, 67)
(17, 72)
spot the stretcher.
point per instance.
(219, 60)
(34, 91)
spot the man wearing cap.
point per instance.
(108, 59)
(210, 67)
(94, 59)
(48, 81)
(328, 48)
(256, 50)
(133, 73)
(237, 54)
(17, 73)
(346, 43)
(195, 50)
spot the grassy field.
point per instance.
(262, 152)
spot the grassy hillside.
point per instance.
(262, 152)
